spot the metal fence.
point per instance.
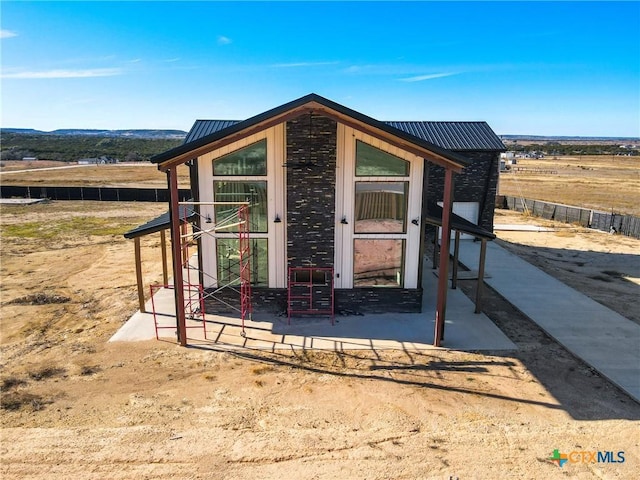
(624, 224)
(104, 194)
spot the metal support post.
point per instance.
(479, 288)
(163, 249)
(136, 243)
(443, 272)
(456, 251)
(176, 249)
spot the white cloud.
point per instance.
(222, 40)
(47, 74)
(421, 78)
(7, 34)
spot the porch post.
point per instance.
(483, 254)
(176, 247)
(136, 245)
(443, 271)
(434, 261)
(456, 251)
(163, 249)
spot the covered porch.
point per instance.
(410, 332)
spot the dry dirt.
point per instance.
(75, 406)
(51, 173)
(601, 182)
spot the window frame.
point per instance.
(346, 212)
(403, 248)
(405, 209)
(276, 204)
(241, 180)
(235, 152)
(407, 163)
(264, 282)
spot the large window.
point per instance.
(381, 207)
(373, 162)
(378, 211)
(380, 217)
(250, 160)
(378, 262)
(239, 191)
(228, 261)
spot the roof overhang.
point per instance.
(311, 103)
(161, 222)
(433, 216)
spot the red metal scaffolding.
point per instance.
(310, 292)
(246, 308)
(193, 293)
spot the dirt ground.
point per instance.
(605, 267)
(52, 173)
(601, 182)
(75, 406)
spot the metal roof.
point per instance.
(195, 148)
(433, 215)
(202, 128)
(161, 222)
(454, 135)
(459, 136)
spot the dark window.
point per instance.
(250, 160)
(237, 191)
(229, 261)
(373, 162)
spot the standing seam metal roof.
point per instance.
(459, 136)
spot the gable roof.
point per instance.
(311, 103)
(457, 136)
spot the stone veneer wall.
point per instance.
(347, 301)
(477, 183)
(311, 142)
(263, 299)
(378, 300)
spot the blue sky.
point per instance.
(546, 68)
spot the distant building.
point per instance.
(29, 159)
(103, 160)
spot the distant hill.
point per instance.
(572, 139)
(170, 134)
(71, 145)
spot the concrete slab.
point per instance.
(22, 201)
(414, 332)
(604, 339)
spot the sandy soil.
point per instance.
(601, 182)
(75, 406)
(50, 173)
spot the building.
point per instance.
(329, 190)
(103, 160)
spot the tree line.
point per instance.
(556, 148)
(71, 148)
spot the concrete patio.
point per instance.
(465, 330)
